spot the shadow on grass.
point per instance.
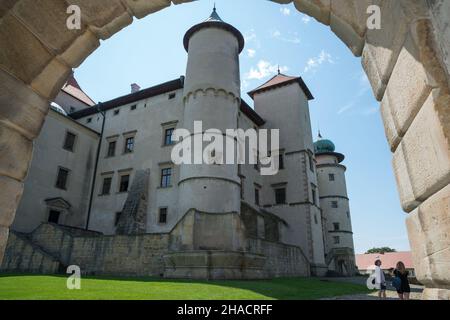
(277, 288)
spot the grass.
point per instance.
(35, 287)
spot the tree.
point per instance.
(381, 250)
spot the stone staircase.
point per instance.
(23, 256)
(46, 250)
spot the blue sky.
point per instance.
(150, 51)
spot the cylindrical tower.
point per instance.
(334, 202)
(212, 96)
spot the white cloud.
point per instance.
(306, 19)
(285, 11)
(315, 62)
(250, 35)
(346, 107)
(364, 87)
(251, 53)
(263, 70)
(292, 38)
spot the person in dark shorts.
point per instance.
(401, 272)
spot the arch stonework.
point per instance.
(407, 63)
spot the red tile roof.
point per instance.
(73, 88)
(282, 80)
(388, 260)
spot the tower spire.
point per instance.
(279, 72)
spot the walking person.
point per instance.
(403, 288)
(380, 280)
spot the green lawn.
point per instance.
(26, 287)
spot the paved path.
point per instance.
(391, 293)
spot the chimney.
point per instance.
(135, 88)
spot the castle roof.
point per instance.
(152, 92)
(72, 88)
(214, 21)
(327, 147)
(281, 80)
(388, 260)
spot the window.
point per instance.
(256, 165)
(336, 226)
(106, 187)
(311, 162)
(348, 214)
(124, 183)
(61, 180)
(172, 96)
(337, 240)
(116, 112)
(53, 216)
(314, 194)
(72, 109)
(162, 215)
(331, 177)
(89, 120)
(334, 204)
(117, 219)
(69, 142)
(257, 196)
(133, 107)
(281, 161)
(166, 178)
(111, 149)
(129, 145)
(280, 196)
(168, 133)
(316, 221)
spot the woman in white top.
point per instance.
(380, 280)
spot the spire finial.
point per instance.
(320, 135)
(214, 9)
(279, 72)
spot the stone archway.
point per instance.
(407, 62)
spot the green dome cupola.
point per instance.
(327, 147)
(324, 145)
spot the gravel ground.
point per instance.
(416, 291)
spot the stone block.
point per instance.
(99, 13)
(15, 153)
(429, 233)
(20, 107)
(19, 48)
(383, 46)
(318, 9)
(9, 199)
(435, 294)
(50, 81)
(80, 49)
(47, 20)
(142, 8)
(114, 26)
(3, 241)
(348, 21)
(6, 5)
(425, 149)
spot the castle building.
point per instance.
(334, 202)
(108, 168)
